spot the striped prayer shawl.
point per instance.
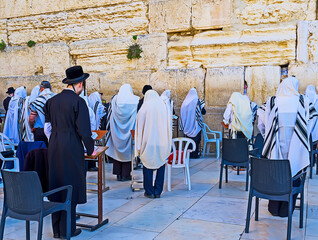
(38, 104)
(109, 113)
(21, 127)
(198, 115)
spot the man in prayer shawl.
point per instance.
(27, 134)
(153, 139)
(144, 90)
(285, 121)
(68, 116)
(122, 120)
(95, 103)
(37, 117)
(166, 97)
(312, 96)
(11, 126)
(191, 113)
(7, 100)
(239, 116)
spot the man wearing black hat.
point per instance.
(6, 101)
(37, 118)
(144, 90)
(70, 128)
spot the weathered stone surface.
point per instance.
(104, 22)
(274, 11)
(211, 14)
(307, 40)
(169, 15)
(220, 83)
(3, 31)
(234, 48)
(262, 82)
(77, 4)
(40, 59)
(111, 81)
(179, 81)
(39, 28)
(306, 73)
(111, 53)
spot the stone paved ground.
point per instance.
(205, 212)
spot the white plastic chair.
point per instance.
(182, 146)
(6, 144)
(215, 138)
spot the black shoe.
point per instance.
(149, 195)
(74, 234)
(56, 235)
(93, 169)
(125, 179)
(157, 195)
(118, 178)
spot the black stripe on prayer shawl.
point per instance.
(38, 107)
(302, 129)
(301, 100)
(302, 141)
(301, 119)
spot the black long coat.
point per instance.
(69, 117)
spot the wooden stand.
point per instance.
(100, 221)
(133, 181)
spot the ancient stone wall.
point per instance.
(213, 45)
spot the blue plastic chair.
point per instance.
(216, 138)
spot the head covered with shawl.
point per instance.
(311, 94)
(153, 136)
(191, 116)
(95, 103)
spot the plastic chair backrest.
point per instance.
(272, 177)
(22, 192)
(181, 145)
(259, 143)
(235, 150)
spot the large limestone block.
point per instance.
(211, 14)
(77, 4)
(307, 40)
(56, 57)
(39, 28)
(169, 15)
(179, 81)
(116, 20)
(306, 73)
(275, 11)
(220, 83)
(111, 81)
(249, 47)
(111, 53)
(262, 82)
(3, 31)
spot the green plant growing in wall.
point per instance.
(134, 50)
(31, 43)
(2, 45)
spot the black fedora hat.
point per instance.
(75, 75)
(10, 90)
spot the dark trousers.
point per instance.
(39, 135)
(197, 140)
(122, 169)
(280, 208)
(59, 221)
(148, 180)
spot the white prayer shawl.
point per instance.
(92, 116)
(298, 154)
(242, 119)
(95, 103)
(38, 104)
(191, 116)
(27, 135)
(166, 97)
(153, 136)
(11, 126)
(313, 99)
(122, 120)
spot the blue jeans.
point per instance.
(148, 180)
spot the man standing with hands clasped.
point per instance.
(67, 126)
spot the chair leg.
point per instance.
(169, 178)
(221, 173)
(208, 150)
(188, 177)
(40, 228)
(3, 221)
(256, 208)
(247, 177)
(204, 146)
(290, 210)
(218, 149)
(226, 173)
(68, 220)
(301, 217)
(238, 170)
(248, 216)
(311, 163)
(185, 176)
(27, 228)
